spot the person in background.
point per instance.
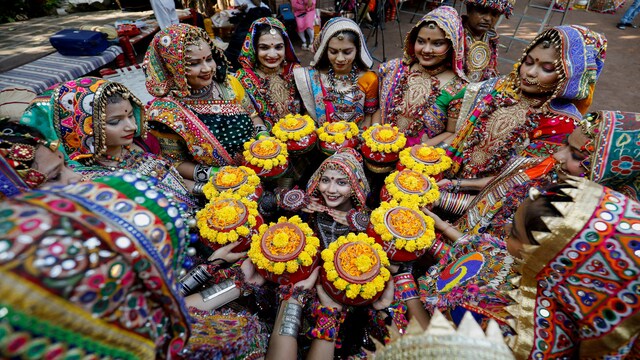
(480, 37)
(305, 12)
(629, 15)
(165, 12)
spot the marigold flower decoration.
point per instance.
(276, 253)
(425, 159)
(360, 256)
(227, 218)
(337, 132)
(384, 138)
(407, 227)
(293, 127)
(412, 187)
(239, 180)
(266, 152)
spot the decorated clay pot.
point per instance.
(410, 186)
(227, 220)
(337, 135)
(378, 162)
(425, 159)
(285, 252)
(404, 233)
(298, 132)
(355, 270)
(382, 143)
(268, 157)
(240, 180)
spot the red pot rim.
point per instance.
(272, 156)
(392, 229)
(362, 279)
(222, 188)
(425, 188)
(282, 258)
(242, 221)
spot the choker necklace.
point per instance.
(125, 154)
(200, 93)
(435, 70)
(345, 101)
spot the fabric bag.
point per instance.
(72, 42)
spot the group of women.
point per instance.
(92, 265)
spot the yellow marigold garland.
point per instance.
(293, 127)
(358, 263)
(387, 138)
(223, 211)
(407, 222)
(411, 180)
(266, 150)
(337, 132)
(229, 178)
(441, 164)
(280, 241)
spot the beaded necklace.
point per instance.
(271, 111)
(344, 110)
(398, 98)
(121, 161)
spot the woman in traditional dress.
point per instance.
(201, 115)
(90, 271)
(577, 297)
(96, 121)
(532, 110)
(339, 85)
(268, 60)
(29, 161)
(593, 150)
(421, 93)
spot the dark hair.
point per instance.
(323, 62)
(115, 98)
(542, 206)
(263, 29)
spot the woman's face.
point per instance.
(52, 165)
(538, 71)
(336, 190)
(341, 52)
(200, 65)
(270, 50)
(431, 46)
(120, 127)
(571, 156)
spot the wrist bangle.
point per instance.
(328, 321)
(198, 188)
(201, 173)
(291, 320)
(217, 290)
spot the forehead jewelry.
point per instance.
(273, 32)
(340, 36)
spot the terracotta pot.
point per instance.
(287, 278)
(274, 173)
(243, 242)
(379, 162)
(395, 255)
(302, 146)
(341, 296)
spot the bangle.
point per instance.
(262, 134)
(442, 145)
(456, 188)
(291, 320)
(217, 290)
(201, 173)
(439, 249)
(286, 292)
(328, 321)
(198, 188)
(406, 289)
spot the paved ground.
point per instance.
(21, 42)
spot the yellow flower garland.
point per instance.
(239, 180)
(357, 260)
(337, 132)
(430, 161)
(384, 138)
(280, 241)
(225, 211)
(269, 152)
(413, 181)
(293, 127)
(418, 230)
